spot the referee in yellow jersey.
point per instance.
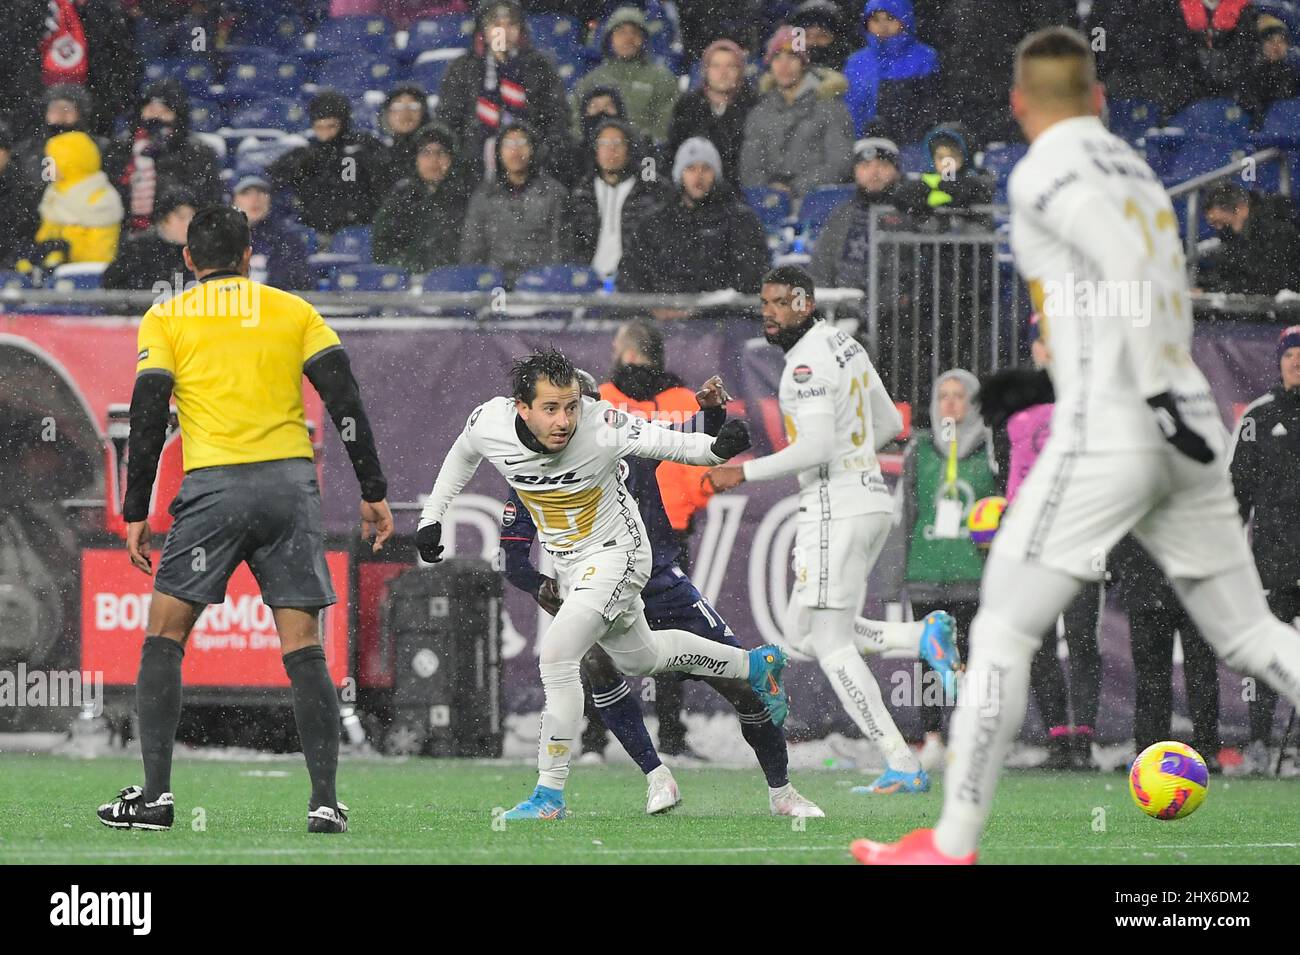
(233, 352)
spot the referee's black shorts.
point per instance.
(268, 514)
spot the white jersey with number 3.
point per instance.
(1095, 237)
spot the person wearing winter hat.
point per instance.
(279, 255)
(67, 107)
(1274, 73)
(418, 226)
(516, 219)
(841, 252)
(829, 37)
(717, 110)
(950, 182)
(80, 208)
(612, 199)
(405, 112)
(342, 175)
(156, 254)
(648, 89)
(160, 154)
(705, 238)
(501, 80)
(1259, 244)
(798, 136)
(893, 80)
(1265, 471)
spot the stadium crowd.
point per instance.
(376, 141)
(650, 147)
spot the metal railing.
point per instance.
(1192, 190)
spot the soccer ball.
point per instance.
(983, 520)
(1168, 780)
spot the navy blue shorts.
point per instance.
(672, 602)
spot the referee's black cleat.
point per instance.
(328, 819)
(130, 811)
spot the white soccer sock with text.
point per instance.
(895, 639)
(859, 693)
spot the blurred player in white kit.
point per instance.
(1136, 444)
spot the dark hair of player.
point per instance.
(1225, 195)
(217, 237)
(546, 363)
(792, 276)
(646, 337)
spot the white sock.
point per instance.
(896, 639)
(860, 696)
(561, 722)
(639, 651)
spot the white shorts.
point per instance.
(607, 580)
(832, 559)
(1073, 508)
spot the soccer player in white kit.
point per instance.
(1136, 444)
(837, 415)
(563, 453)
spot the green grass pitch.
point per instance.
(430, 811)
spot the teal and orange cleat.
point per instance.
(893, 781)
(544, 803)
(766, 664)
(915, 848)
(939, 649)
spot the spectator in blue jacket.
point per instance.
(279, 255)
(893, 80)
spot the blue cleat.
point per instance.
(939, 649)
(893, 781)
(544, 803)
(765, 666)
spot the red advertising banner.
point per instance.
(233, 645)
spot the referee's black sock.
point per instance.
(316, 710)
(158, 710)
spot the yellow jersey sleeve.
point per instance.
(317, 336)
(154, 346)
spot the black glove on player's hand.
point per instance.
(427, 542)
(548, 596)
(732, 439)
(1175, 429)
(1005, 392)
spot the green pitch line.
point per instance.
(431, 811)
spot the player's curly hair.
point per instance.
(546, 363)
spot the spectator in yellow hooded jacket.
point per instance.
(80, 206)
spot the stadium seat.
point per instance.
(559, 278)
(285, 115)
(353, 240)
(1221, 118)
(79, 275)
(353, 75)
(14, 280)
(206, 116)
(555, 32)
(430, 67)
(1281, 125)
(255, 79)
(310, 241)
(818, 205)
(772, 205)
(280, 32)
(195, 75)
(1197, 155)
(350, 36)
(254, 155)
(914, 157)
(369, 278)
(462, 278)
(438, 33)
(1130, 119)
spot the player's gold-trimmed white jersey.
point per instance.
(576, 496)
(1095, 237)
(828, 373)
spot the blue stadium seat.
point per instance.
(431, 66)
(1281, 125)
(79, 275)
(818, 205)
(282, 32)
(555, 31)
(999, 162)
(369, 278)
(462, 278)
(14, 280)
(1221, 118)
(1131, 118)
(353, 240)
(286, 115)
(1197, 155)
(438, 33)
(195, 75)
(255, 78)
(772, 205)
(310, 240)
(353, 75)
(206, 116)
(350, 36)
(253, 158)
(574, 279)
